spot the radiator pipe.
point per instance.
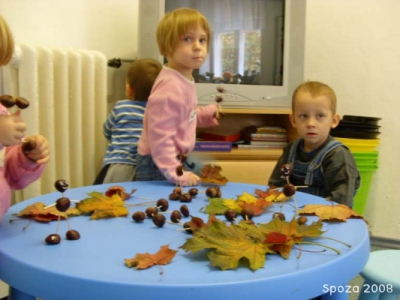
(117, 62)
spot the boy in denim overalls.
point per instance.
(319, 162)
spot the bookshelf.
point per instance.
(247, 165)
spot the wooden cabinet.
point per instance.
(247, 165)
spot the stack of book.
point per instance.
(216, 141)
(270, 137)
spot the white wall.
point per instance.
(109, 26)
(354, 46)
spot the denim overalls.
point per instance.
(310, 173)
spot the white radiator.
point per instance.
(67, 89)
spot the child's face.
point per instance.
(190, 53)
(313, 119)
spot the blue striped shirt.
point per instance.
(122, 129)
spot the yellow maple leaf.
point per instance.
(249, 201)
(101, 206)
(248, 198)
(272, 195)
(228, 245)
(232, 204)
(330, 212)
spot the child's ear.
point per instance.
(291, 117)
(335, 121)
(130, 94)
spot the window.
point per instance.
(237, 52)
(247, 40)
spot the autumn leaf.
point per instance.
(211, 219)
(228, 245)
(194, 224)
(216, 206)
(211, 174)
(280, 236)
(267, 193)
(247, 200)
(256, 204)
(272, 195)
(119, 190)
(101, 206)
(38, 211)
(147, 260)
(330, 212)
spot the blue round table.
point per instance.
(93, 267)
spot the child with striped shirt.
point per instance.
(124, 125)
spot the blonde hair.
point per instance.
(141, 76)
(315, 89)
(6, 43)
(177, 23)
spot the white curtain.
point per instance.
(227, 15)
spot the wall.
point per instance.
(109, 26)
(354, 46)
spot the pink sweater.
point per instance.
(170, 122)
(16, 171)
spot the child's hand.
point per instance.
(193, 179)
(218, 113)
(12, 129)
(41, 153)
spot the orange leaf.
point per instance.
(196, 223)
(38, 211)
(146, 260)
(281, 235)
(258, 207)
(273, 195)
(332, 213)
(211, 219)
(211, 174)
(276, 238)
(119, 190)
(266, 193)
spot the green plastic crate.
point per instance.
(361, 198)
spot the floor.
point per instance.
(358, 280)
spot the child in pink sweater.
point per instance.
(172, 115)
(17, 168)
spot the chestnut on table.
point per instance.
(93, 266)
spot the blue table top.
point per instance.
(93, 267)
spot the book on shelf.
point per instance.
(262, 146)
(270, 143)
(275, 139)
(217, 136)
(270, 129)
(277, 136)
(265, 133)
(220, 146)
